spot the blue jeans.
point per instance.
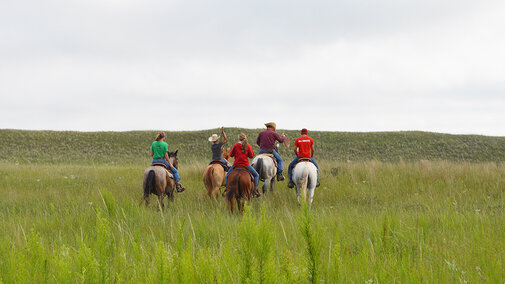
(251, 170)
(277, 157)
(292, 165)
(173, 170)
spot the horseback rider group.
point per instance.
(242, 152)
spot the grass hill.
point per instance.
(69, 147)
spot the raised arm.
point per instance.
(280, 138)
(224, 140)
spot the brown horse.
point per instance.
(214, 176)
(240, 186)
(157, 180)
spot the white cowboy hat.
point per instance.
(213, 138)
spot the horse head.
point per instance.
(226, 153)
(174, 160)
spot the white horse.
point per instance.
(267, 171)
(305, 179)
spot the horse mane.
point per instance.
(226, 153)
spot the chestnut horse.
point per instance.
(157, 180)
(240, 186)
(214, 176)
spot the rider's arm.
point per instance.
(152, 153)
(224, 140)
(279, 138)
(168, 160)
(312, 150)
(251, 151)
(232, 152)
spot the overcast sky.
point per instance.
(339, 65)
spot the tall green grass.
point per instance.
(370, 222)
(132, 148)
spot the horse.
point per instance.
(240, 186)
(214, 176)
(305, 179)
(157, 180)
(267, 170)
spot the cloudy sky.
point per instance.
(339, 65)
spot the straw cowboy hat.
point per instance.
(271, 124)
(214, 138)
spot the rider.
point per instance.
(304, 148)
(217, 149)
(266, 141)
(242, 150)
(159, 151)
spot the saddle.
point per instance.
(243, 168)
(219, 162)
(270, 155)
(303, 159)
(170, 174)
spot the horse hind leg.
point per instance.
(216, 192)
(232, 204)
(146, 199)
(298, 194)
(160, 200)
(311, 196)
(240, 205)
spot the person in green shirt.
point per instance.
(159, 151)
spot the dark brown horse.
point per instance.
(240, 186)
(214, 176)
(157, 180)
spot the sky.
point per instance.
(339, 65)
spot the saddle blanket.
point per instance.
(170, 174)
(219, 162)
(303, 160)
(270, 156)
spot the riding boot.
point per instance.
(280, 177)
(179, 187)
(318, 184)
(256, 192)
(291, 184)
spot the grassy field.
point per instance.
(71, 213)
(89, 148)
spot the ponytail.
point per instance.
(160, 136)
(243, 139)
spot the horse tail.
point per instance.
(149, 183)
(259, 167)
(305, 178)
(210, 177)
(235, 190)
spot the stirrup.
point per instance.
(291, 184)
(280, 177)
(179, 187)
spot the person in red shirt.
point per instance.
(242, 152)
(304, 148)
